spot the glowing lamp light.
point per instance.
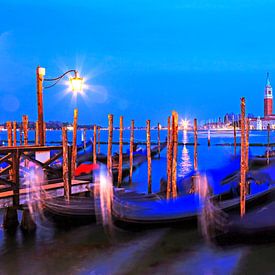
(76, 84)
(184, 124)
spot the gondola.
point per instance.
(255, 227)
(80, 210)
(262, 160)
(157, 212)
(76, 211)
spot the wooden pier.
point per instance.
(16, 159)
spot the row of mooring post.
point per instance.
(131, 156)
(172, 152)
(12, 132)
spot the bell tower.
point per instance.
(268, 98)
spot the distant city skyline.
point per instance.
(140, 59)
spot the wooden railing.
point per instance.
(14, 159)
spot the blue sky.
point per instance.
(141, 59)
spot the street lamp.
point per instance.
(76, 83)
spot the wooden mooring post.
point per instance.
(98, 139)
(20, 134)
(14, 134)
(110, 142)
(120, 160)
(25, 121)
(10, 219)
(195, 145)
(74, 146)
(44, 132)
(36, 133)
(131, 150)
(9, 131)
(243, 160)
(65, 164)
(158, 140)
(169, 159)
(175, 153)
(149, 160)
(16, 177)
(94, 145)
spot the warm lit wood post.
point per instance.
(110, 141)
(268, 143)
(120, 160)
(67, 187)
(36, 133)
(131, 150)
(159, 140)
(169, 158)
(175, 153)
(195, 145)
(243, 159)
(84, 138)
(74, 148)
(21, 134)
(44, 132)
(14, 134)
(148, 142)
(9, 131)
(25, 120)
(40, 72)
(98, 139)
(94, 145)
(235, 137)
(16, 177)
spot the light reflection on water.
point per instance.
(185, 165)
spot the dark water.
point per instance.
(91, 250)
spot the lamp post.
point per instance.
(76, 86)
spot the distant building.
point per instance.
(261, 123)
(268, 98)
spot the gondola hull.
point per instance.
(76, 211)
(160, 213)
